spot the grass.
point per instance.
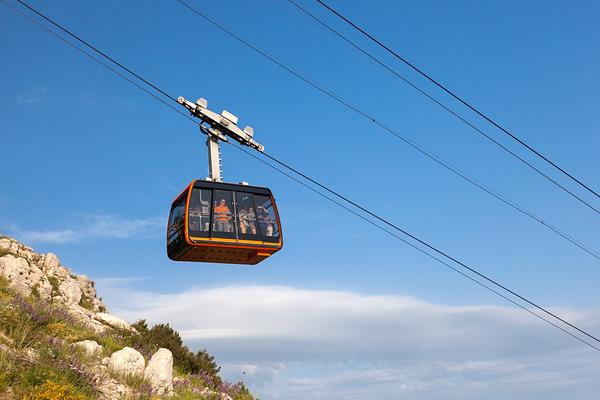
(134, 381)
(57, 370)
(109, 343)
(26, 379)
(7, 365)
(21, 331)
(43, 330)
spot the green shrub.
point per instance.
(4, 285)
(35, 291)
(86, 303)
(185, 361)
(55, 285)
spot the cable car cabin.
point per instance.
(223, 223)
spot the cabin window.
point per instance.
(226, 214)
(265, 214)
(246, 216)
(177, 219)
(199, 212)
(223, 214)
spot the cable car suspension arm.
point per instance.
(219, 127)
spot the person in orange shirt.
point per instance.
(222, 217)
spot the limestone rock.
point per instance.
(159, 372)
(70, 290)
(127, 361)
(91, 347)
(31, 354)
(23, 277)
(208, 393)
(85, 317)
(111, 389)
(7, 246)
(49, 263)
(113, 321)
(15, 269)
(30, 272)
(86, 286)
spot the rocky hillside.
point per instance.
(58, 341)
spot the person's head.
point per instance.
(222, 202)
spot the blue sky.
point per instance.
(91, 164)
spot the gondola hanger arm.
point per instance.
(221, 126)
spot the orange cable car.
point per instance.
(223, 223)
(212, 221)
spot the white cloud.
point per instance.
(112, 282)
(32, 96)
(95, 226)
(296, 343)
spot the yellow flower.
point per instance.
(53, 391)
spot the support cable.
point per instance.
(426, 244)
(366, 211)
(428, 254)
(437, 159)
(97, 51)
(97, 60)
(353, 107)
(455, 96)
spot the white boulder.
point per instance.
(159, 372)
(91, 347)
(113, 321)
(127, 361)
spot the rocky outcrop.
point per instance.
(40, 282)
(90, 347)
(86, 286)
(70, 290)
(24, 277)
(159, 372)
(42, 275)
(111, 389)
(127, 361)
(113, 321)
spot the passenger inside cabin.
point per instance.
(251, 220)
(247, 221)
(194, 219)
(222, 217)
(265, 221)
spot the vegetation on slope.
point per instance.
(39, 362)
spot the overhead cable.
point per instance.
(381, 219)
(352, 107)
(432, 156)
(428, 254)
(455, 96)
